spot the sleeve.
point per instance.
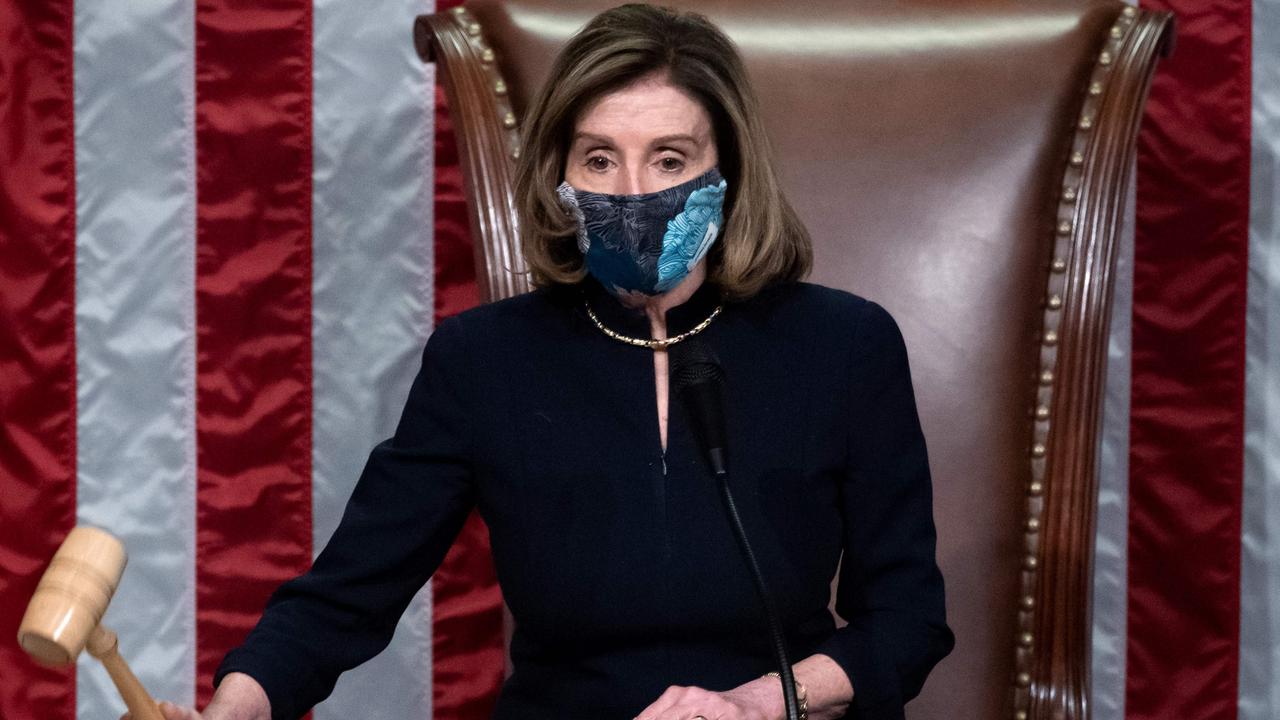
(409, 504)
(890, 588)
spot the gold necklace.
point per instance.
(659, 344)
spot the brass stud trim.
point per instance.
(500, 87)
(486, 55)
(473, 28)
(515, 153)
(1070, 192)
(458, 10)
(1020, 715)
(509, 120)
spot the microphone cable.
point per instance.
(698, 379)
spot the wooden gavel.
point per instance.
(65, 613)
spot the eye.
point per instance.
(671, 164)
(599, 163)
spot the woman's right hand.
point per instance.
(238, 697)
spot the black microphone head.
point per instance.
(693, 362)
(698, 380)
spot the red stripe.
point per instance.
(467, 637)
(455, 271)
(37, 332)
(253, 313)
(1188, 372)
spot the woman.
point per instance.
(650, 214)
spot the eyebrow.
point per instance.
(665, 139)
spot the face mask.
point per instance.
(647, 243)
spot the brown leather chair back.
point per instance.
(964, 164)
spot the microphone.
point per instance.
(697, 378)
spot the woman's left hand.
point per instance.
(760, 699)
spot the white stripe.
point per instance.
(1259, 688)
(1111, 536)
(1110, 583)
(135, 340)
(373, 135)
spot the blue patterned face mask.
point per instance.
(647, 243)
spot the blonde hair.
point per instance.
(763, 239)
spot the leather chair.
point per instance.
(965, 164)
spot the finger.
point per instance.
(665, 701)
(688, 712)
(697, 703)
(174, 712)
(691, 703)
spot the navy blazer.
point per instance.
(617, 558)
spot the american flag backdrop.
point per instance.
(227, 228)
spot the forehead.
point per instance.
(647, 108)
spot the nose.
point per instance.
(631, 181)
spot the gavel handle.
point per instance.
(103, 645)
